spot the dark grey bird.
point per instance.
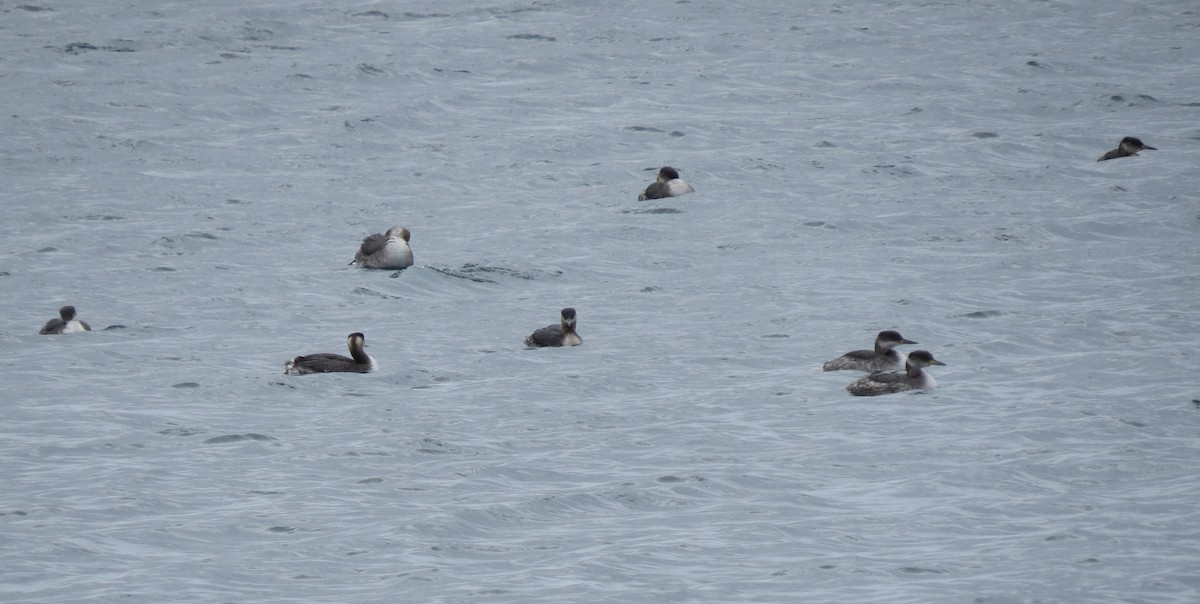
(65, 323)
(888, 382)
(562, 334)
(882, 358)
(1128, 146)
(325, 362)
(668, 185)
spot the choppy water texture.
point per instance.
(195, 177)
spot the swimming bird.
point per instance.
(388, 250)
(358, 361)
(562, 334)
(668, 185)
(1128, 146)
(883, 358)
(887, 382)
(65, 323)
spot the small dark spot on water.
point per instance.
(1034, 64)
(669, 479)
(4, 273)
(1058, 537)
(825, 145)
(300, 76)
(186, 385)
(371, 70)
(649, 289)
(47, 249)
(282, 529)
(819, 223)
(371, 13)
(234, 438)
(675, 133)
(180, 432)
(827, 566)
(653, 211)
(95, 217)
(1090, 561)
(1117, 98)
(982, 314)
(920, 570)
(1146, 97)
(370, 481)
(985, 135)
(538, 37)
(370, 292)
(474, 272)
(1196, 403)
(162, 269)
(75, 48)
(645, 129)
(31, 8)
(915, 110)
(229, 55)
(776, 336)
(113, 327)
(1135, 424)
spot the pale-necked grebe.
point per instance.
(386, 250)
(883, 358)
(893, 381)
(1128, 146)
(358, 361)
(668, 185)
(65, 323)
(562, 334)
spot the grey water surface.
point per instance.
(195, 178)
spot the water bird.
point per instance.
(66, 322)
(562, 334)
(358, 361)
(668, 185)
(388, 250)
(888, 382)
(882, 358)
(1128, 146)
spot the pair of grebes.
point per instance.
(391, 250)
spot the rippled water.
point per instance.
(195, 178)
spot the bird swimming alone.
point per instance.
(668, 185)
(882, 358)
(1128, 146)
(888, 382)
(388, 250)
(562, 334)
(358, 361)
(66, 322)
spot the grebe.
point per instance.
(883, 358)
(888, 382)
(562, 334)
(358, 361)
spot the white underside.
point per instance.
(396, 254)
(73, 326)
(677, 187)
